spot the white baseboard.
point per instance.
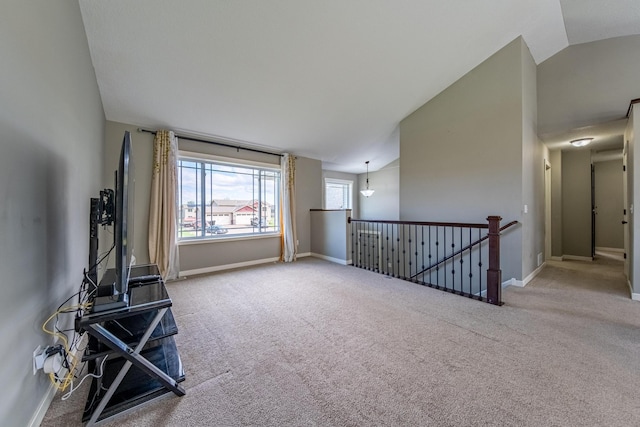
(43, 407)
(229, 266)
(556, 258)
(634, 296)
(48, 397)
(512, 282)
(533, 274)
(618, 250)
(329, 258)
(304, 254)
(576, 258)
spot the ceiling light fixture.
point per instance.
(367, 192)
(581, 142)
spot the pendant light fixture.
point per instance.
(581, 142)
(368, 192)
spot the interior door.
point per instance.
(625, 203)
(594, 211)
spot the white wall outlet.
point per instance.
(539, 259)
(526, 209)
(38, 359)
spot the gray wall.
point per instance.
(533, 155)
(52, 130)
(461, 154)
(308, 196)
(602, 73)
(576, 202)
(385, 202)
(142, 156)
(331, 233)
(207, 255)
(608, 200)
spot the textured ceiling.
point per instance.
(329, 80)
(591, 20)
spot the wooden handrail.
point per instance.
(435, 224)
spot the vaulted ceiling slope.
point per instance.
(329, 80)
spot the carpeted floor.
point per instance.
(318, 344)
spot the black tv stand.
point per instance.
(109, 302)
(137, 340)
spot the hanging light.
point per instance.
(581, 142)
(368, 192)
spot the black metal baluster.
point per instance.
(378, 243)
(480, 265)
(422, 254)
(437, 257)
(415, 230)
(386, 252)
(470, 263)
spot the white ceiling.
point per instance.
(329, 80)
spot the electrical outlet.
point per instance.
(38, 359)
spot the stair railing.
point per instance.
(454, 257)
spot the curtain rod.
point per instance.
(237, 147)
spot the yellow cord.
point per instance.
(67, 351)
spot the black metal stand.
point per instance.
(142, 360)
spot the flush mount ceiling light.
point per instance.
(581, 142)
(368, 192)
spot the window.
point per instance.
(218, 199)
(337, 193)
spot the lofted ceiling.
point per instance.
(329, 80)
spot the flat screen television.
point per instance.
(113, 290)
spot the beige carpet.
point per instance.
(318, 344)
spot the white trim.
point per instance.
(617, 250)
(229, 161)
(635, 297)
(512, 282)
(557, 258)
(330, 258)
(228, 266)
(43, 407)
(304, 254)
(576, 258)
(227, 238)
(533, 274)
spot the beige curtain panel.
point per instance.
(288, 234)
(163, 227)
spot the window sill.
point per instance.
(210, 240)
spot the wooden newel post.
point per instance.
(494, 274)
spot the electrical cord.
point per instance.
(69, 346)
(66, 379)
(68, 394)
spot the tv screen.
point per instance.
(124, 216)
(112, 292)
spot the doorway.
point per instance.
(608, 206)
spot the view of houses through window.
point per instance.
(220, 199)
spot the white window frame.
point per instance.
(260, 233)
(343, 182)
